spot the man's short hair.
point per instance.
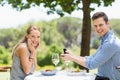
(100, 14)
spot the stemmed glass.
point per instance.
(66, 62)
(55, 59)
(67, 65)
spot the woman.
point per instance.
(24, 54)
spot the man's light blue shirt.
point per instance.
(107, 57)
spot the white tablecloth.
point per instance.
(60, 75)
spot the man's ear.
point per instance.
(108, 23)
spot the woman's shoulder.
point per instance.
(21, 49)
(22, 46)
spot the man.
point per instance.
(107, 56)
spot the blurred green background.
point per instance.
(56, 34)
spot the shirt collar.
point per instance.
(105, 36)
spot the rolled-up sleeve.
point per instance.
(103, 54)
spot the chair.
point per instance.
(5, 68)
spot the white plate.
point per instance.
(72, 73)
(48, 73)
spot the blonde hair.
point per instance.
(24, 39)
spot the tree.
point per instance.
(68, 6)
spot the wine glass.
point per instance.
(66, 62)
(55, 59)
(67, 65)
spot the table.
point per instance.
(60, 75)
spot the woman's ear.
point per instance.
(26, 36)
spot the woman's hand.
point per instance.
(31, 46)
(32, 49)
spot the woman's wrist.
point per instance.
(33, 52)
(32, 55)
(31, 59)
